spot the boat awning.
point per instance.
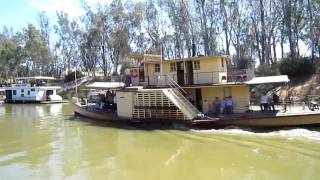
(35, 77)
(106, 85)
(268, 79)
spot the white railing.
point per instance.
(196, 79)
(73, 84)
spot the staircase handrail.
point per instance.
(173, 84)
(179, 92)
(186, 100)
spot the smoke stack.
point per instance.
(194, 50)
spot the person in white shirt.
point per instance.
(264, 103)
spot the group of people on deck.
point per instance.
(267, 103)
(107, 101)
(223, 106)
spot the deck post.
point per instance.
(75, 79)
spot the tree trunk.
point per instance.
(288, 11)
(104, 63)
(225, 25)
(263, 33)
(274, 45)
(312, 38)
(257, 40)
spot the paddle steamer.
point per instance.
(183, 90)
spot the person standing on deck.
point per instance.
(190, 98)
(275, 98)
(216, 105)
(270, 104)
(222, 105)
(264, 103)
(229, 105)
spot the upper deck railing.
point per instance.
(199, 78)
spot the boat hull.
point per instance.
(33, 102)
(272, 121)
(266, 121)
(83, 111)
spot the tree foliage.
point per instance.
(297, 67)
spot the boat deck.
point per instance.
(54, 102)
(93, 107)
(255, 114)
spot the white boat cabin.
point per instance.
(32, 89)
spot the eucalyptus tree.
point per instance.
(118, 34)
(152, 20)
(67, 43)
(11, 55)
(37, 53)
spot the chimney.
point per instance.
(194, 49)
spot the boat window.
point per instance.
(196, 65)
(22, 95)
(157, 68)
(28, 92)
(14, 92)
(173, 67)
(22, 90)
(32, 89)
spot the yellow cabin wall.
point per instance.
(153, 76)
(240, 95)
(211, 65)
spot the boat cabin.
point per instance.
(202, 77)
(188, 71)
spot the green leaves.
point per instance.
(296, 66)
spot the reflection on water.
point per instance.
(41, 141)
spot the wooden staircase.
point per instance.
(154, 105)
(177, 95)
(182, 103)
(164, 104)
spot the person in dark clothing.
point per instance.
(275, 99)
(216, 104)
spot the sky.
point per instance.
(19, 13)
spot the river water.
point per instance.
(48, 142)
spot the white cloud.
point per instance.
(72, 7)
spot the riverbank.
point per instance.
(298, 88)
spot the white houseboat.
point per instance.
(32, 89)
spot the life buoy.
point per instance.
(134, 72)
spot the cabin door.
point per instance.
(199, 99)
(189, 72)
(180, 73)
(8, 94)
(141, 72)
(48, 93)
